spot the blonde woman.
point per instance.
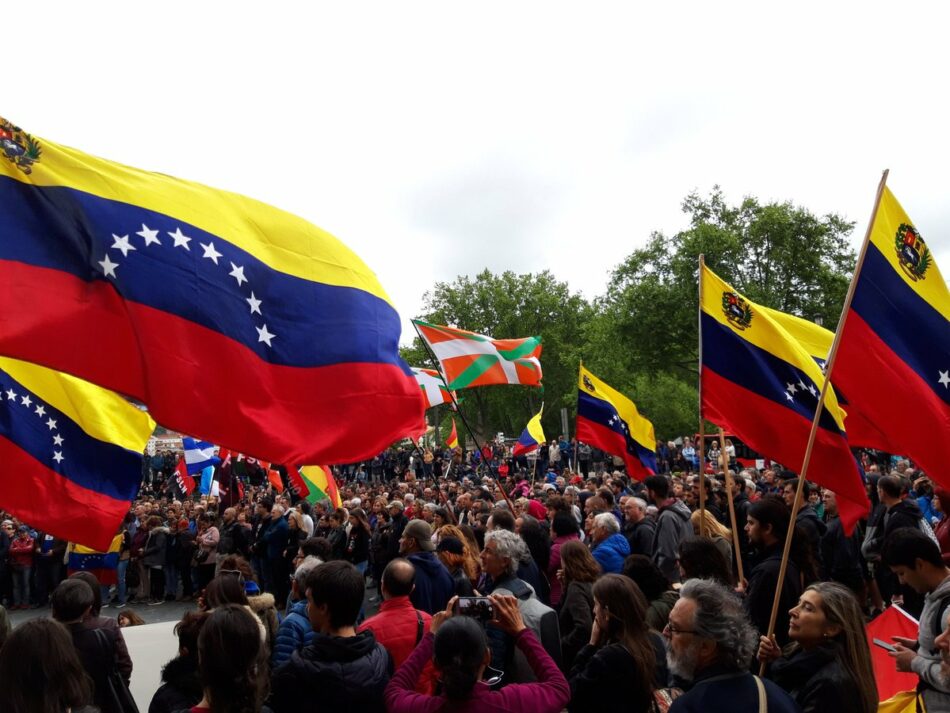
(470, 562)
(715, 531)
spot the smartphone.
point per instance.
(884, 645)
(480, 608)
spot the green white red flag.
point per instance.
(468, 359)
(434, 391)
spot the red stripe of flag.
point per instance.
(607, 439)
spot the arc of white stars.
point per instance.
(238, 274)
(26, 400)
(51, 424)
(210, 252)
(181, 240)
(254, 303)
(40, 411)
(58, 439)
(151, 236)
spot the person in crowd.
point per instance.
(296, 535)
(357, 542)
(716, 532)
(563, 530)
(898, 513)
(701, 558)
(941, 504)
(451, 552)
(227, 589)
(234, 536)
(650, 580)
(187, 546)
(95, 620)
(295, 631)
(827, 666)
(72, 603)
(181, 685)
(21, 557)
(434, 585)
(154, 557)
(232, 663)
(841, 558)
(458, 648)
(128, 617)
(538, 541)
(40, 671)
(337, 535)
(579, 570)
(47, 565)
(616, 670)
(341, 668)
(207, 547)
(766, 526)
(710, 644)
(672, 525)
(527, 568)
(399, 626)
(637, 527)
(916, 561)
(263, 604)
(608, 546)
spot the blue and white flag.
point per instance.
(207, 475)
(198, 455)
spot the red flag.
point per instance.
(453, 440)
(893, 622)
(297, 483)
(185, 481)
(273, 477)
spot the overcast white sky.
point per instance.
(440, 138)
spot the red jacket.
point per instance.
(21, 552)
(396, 627)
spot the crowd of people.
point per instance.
(481, 582)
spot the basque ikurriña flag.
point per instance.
(531, 437)
(609, 420)
(71, 453)
(893, 359)
(432, 386)
(761, 384)
(232, 320)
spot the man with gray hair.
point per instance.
(637, 527)
(608, 546)
(295, 630)
(710, 643)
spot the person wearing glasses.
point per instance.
(711, 643)
(459, 650)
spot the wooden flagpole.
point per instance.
(829, 368)
(458, 410)
(702, 425)
(727, 474)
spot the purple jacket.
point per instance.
(549, 694)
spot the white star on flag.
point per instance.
(789, 396)
(944, 379)
(58, 440)
(181, 240)
(238, 274)
(812, 390)
(210, 252)
(26, 400)
(11, 394)
(40, 411)
(151, 236)
(254, 302)
(122, 243)
(58, 456)
(51, 424)
(263, 335)
(792, 388)
(108, 267)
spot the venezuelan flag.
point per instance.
(104, 564)
(893, 358)
(227, 317)
(531, 437)
(71, 453)
(321, 484)
(761, 384)
(609, 420)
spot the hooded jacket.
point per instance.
(903, 514)
(926, 664)
(294, 632)
(333, 673)
(611, 552)
(672, 525)
(434, 584)
(181, 687)
(155, 548)
(262, 604)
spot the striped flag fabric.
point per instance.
(321, 484)
(894, 353)
(198, 455)
(453, 440)
(760, 383)
(468, 359)
(173, 292)
(531, 437)
(102, 563)
(72, 453)
(184, 479)
(433, 388)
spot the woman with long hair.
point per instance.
(40, 671)
(357, 543)
(337, 535)
(617, 669)
(654, 586)
(827, 665)
(579, 570)
(719, 534)
(563, 530)
(231, 663)
(470, 561)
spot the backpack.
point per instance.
(538, 617)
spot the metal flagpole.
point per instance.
(829, 368)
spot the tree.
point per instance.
(507, 306)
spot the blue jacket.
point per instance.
(611, 553)
(434, 584)
(276, 538)
(294, 633)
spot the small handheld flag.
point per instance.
(453, 440)
(198, 455)
(321, 484)
(184, 479)
(531, 437)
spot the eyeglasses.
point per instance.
(672, 630)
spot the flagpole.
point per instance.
(702, 425)
(445, 499)
(829, 368)
(724, 460)
(458, 410)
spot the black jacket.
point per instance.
(817, 680)
(576, 619)
(761, 592)
(904, 514)
(333, 673)
(181, 687)
(640, 536)
(605, 679)
(841, 558)
(812, 526)
(234, 540)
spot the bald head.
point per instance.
(398, 578)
